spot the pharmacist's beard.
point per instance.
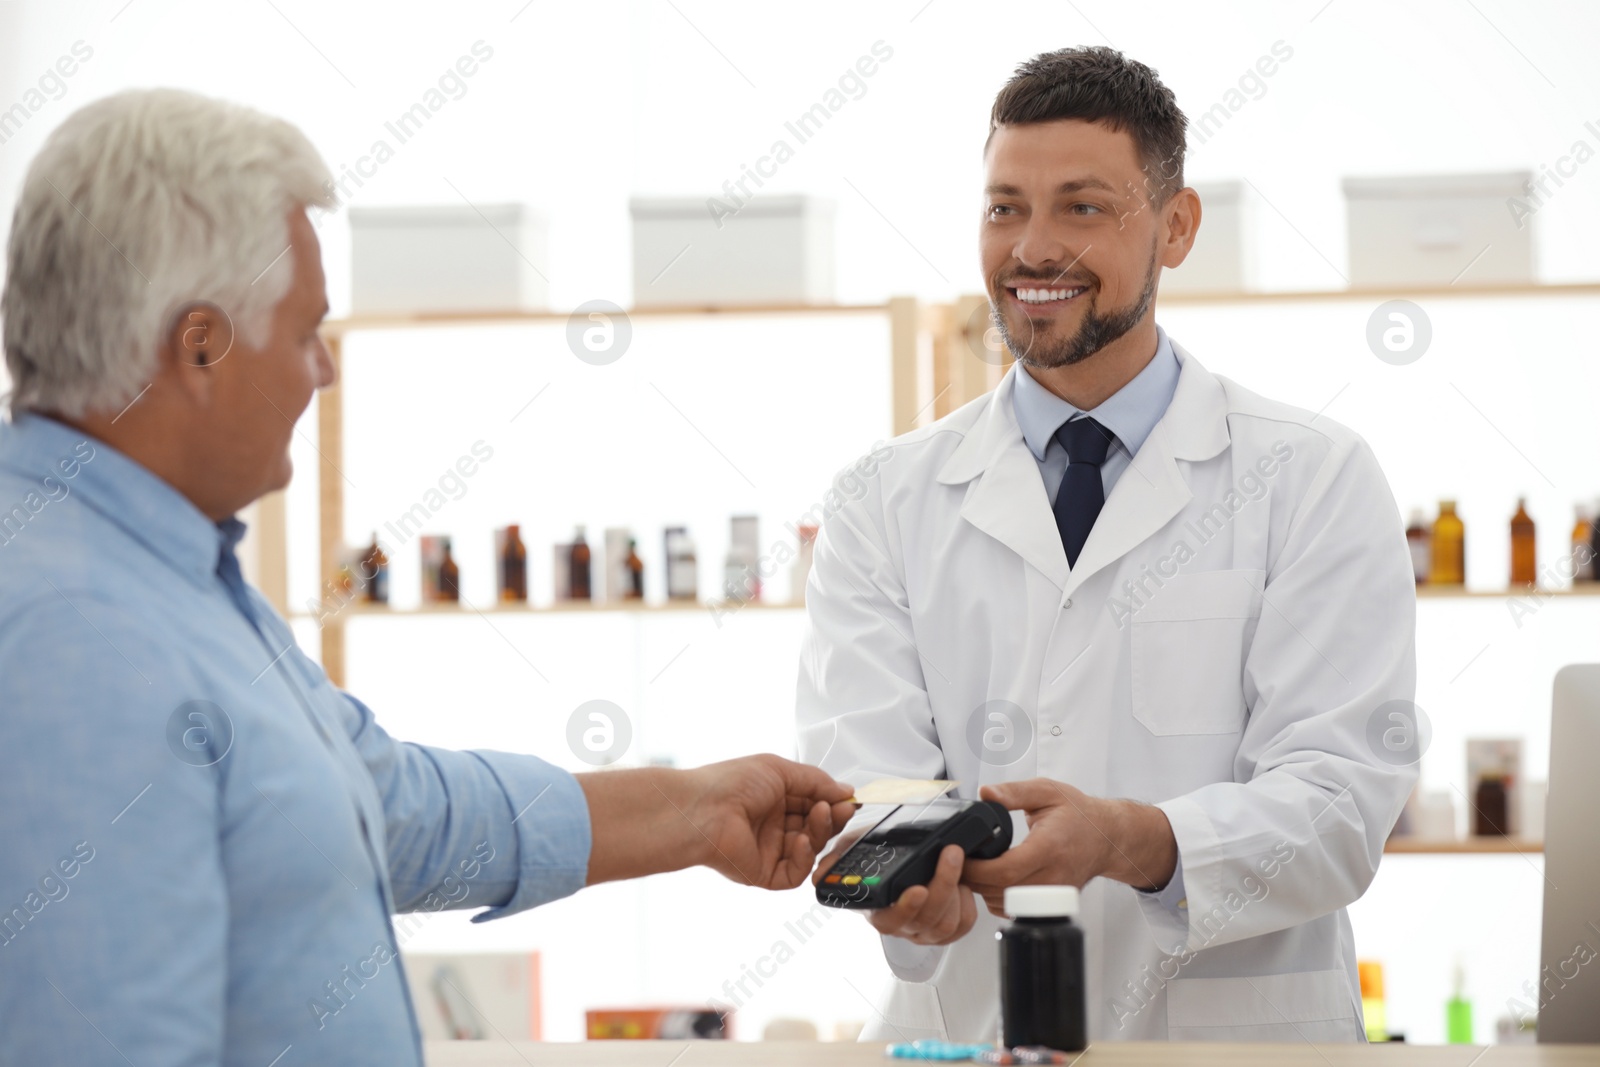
(1097, 330)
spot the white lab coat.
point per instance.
(1241, 612)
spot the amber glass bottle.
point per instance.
(449, 576)
(514, 567)
(579, 573)
(1524, 558)
(1449, 563)
(635, 573)
(375, 572)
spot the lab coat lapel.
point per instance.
(1153, 490)
(1006, 498)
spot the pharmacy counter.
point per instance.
(1125, 1054)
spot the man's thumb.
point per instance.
(1027, 795)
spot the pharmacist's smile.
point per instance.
(1036, 298)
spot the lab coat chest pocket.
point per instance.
(1188, 646)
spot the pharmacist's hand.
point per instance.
(935, 914)
(764, 819)
(1073, 837)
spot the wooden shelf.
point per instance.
(341, 327)
(1445, 592)
(1463, 846)
(446, 608)
(1387, 293)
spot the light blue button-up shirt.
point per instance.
(202, 840)
(1131, 413)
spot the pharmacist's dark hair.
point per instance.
(1100, 84)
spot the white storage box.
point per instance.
(1223, 258)
(773, 250)
(1438, 230)
(448, 258)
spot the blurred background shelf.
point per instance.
(1463, 846)
(1444, 592)
(464, 609)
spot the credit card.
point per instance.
(901, 791)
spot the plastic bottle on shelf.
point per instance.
(1458, 1011)
(741, 576)
(1582, 546)
(683, 574)
(1372, 1005)
(1447, 562)
(1420, 544)
(1524, 554)
(580, 571)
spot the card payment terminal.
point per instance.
(902, 850)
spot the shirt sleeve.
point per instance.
(1166, 910)
(469, 829)
(113, 900)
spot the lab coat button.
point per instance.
(1055, 731)
(1066, 604)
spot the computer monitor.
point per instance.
(1569, 972)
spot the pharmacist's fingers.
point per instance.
(931, 914)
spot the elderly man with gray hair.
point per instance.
(204, 839)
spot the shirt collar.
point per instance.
(120, 488)
(1130, 413)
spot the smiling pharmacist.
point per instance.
(1155, 610)
(204, 840)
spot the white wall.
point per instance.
(582, 106)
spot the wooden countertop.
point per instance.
(1118, 1054)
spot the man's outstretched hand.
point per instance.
(758, 820)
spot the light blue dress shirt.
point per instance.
(1131, 413)
(203, 839)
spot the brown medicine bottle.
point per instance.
(449, 575)
(1524, 558)
(579, 573)
(514, 568)
(635, 572)
(1449, 563)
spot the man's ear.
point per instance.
(1182, 217)
(200, 336)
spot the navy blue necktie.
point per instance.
(1082, 494)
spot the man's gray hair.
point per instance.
(137, 206)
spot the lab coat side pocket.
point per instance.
(1187, 650)
(1304, 1006)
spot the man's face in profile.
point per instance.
(1069, 238)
